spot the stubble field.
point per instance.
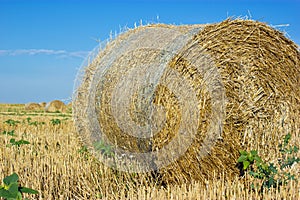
(58, 165)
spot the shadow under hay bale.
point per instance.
(55, 106)
(182, 100)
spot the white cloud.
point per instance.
(33, 52)
(80, 54)
(3, 52)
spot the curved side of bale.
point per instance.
(69, 107)
(33, 107)
(260, 73)
(55, 106)
(43, 104)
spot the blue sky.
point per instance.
(44, 42)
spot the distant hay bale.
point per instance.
(182, 100)
(33, 106)
(43, 104)
(69, 107)
(55, 106)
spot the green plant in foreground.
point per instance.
(269, 173)
(84, 151)
(10, 189)
(34, 123)
(105, 149)
(248, 158)
(12, 122)
(18, 143)
(11, 133)
(55, 121)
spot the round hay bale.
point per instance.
(55, 106)
(43, 104)
(183, 100)
(69, 107)
(33, 106)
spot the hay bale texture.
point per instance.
(55, 106)
(33, 106)
(183, 100)
(43, 104)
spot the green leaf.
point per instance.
(253, 156)
(11, 179)
(6, 194)
(11, 133)
(257, 158)
(242, 158)
(13, 189)
(12, 122)
(287, 139)
(22, 142)
(28, 119)
(253, 152)
(246, 164)
(296, 149)
(19, 197)
(256, 175)
(270, 182)
(55, 121)
(273, 169)
(289, 162)
(28, 190)
(12, 140)
(263, 167)
(19, 142)
(290, 176)
(242, 152)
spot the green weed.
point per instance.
(18, 143)
(32, 123)
(10, 133)
(272, 175)
(10, 189)
(55, 121)
(12, 122)
(105, 149)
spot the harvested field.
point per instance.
(58, 165)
